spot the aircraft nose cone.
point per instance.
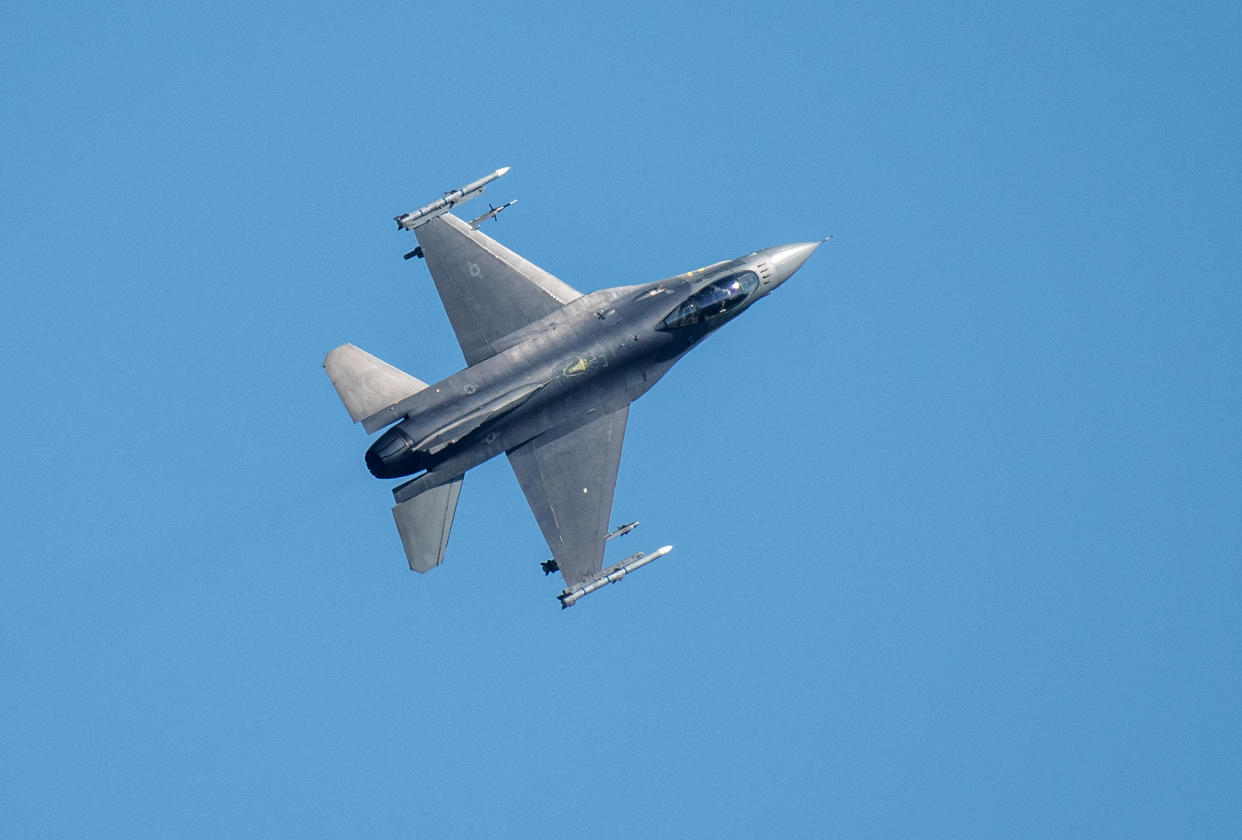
(786, 259)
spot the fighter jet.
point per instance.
(550, 376)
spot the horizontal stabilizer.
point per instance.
(366, 384)
(424, 523)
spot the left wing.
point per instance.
(569, 478)
(487, 290)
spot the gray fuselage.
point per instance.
(595, 355)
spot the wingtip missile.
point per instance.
(610, 575)
(424, 214)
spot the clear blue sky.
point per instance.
(958, 512)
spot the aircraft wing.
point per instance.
(568, 478)
(487, 290)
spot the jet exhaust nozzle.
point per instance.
(393, 455)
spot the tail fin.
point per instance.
(367, 385)
(424, 523)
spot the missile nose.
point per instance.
(786, 259)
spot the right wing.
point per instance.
(487, 290)
(569, 479)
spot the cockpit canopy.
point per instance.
(713, 300)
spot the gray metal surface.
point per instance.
(550, 379)
(569, 478)
(365, 384)
(424, 523)
(487, 290)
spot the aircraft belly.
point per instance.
(573, 375)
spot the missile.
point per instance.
(490, 214)
(424, 214)
(550, 566)
(620, 531)
(610, 575)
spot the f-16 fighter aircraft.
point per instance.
(550, 378)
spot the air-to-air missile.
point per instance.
(490, 214)
(424, 214)
(610, 575)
